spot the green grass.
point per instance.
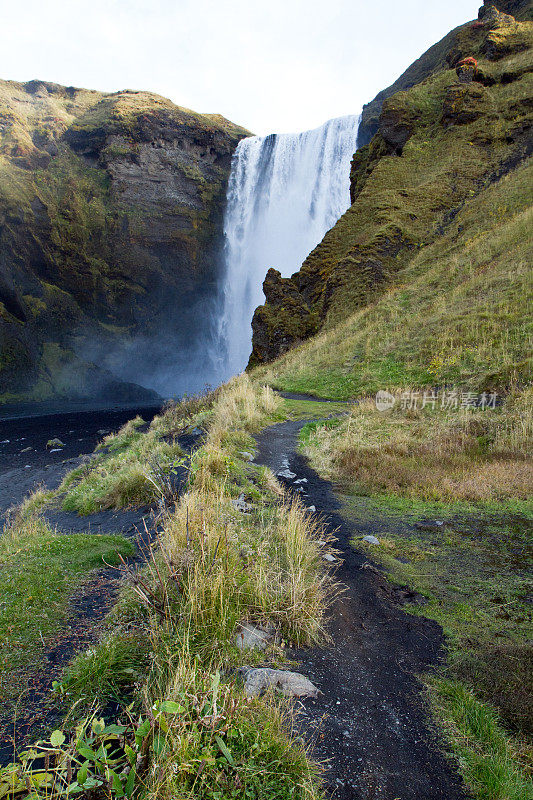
(127, 471)
(475, 577)
(311, 409)
(39, 571)
(491, 763)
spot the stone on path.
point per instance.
(240, 504)
(291, 684)
(54, 443)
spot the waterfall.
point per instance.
(285, 191)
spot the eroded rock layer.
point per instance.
(110, 226)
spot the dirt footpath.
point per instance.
(370, 723)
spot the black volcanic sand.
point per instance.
(25, 463)
(21, 471)
(370, 723)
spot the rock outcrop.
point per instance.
(437, 146)
(110, 229)
(432, 60)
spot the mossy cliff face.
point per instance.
(432, 60)
(110, 226)
(438, 145)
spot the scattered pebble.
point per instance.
(429, 525)
(286, 473)
(240, 504)
(329, 557)
(301, 480)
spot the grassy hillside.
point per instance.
(425, 278)
(458, 314)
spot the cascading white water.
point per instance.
(285, 191)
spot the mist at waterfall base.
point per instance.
(285, 192)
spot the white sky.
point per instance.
(271, 66)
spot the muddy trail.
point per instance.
(371, 724)
(25, 464)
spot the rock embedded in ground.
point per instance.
(429, 525)
(249, 637)
(371, 539)
(291, 684)
(54, 443)
(240, 504)
(248, 456)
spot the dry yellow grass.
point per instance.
(468, 454)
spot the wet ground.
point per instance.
(25, 461)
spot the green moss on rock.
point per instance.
(438, 146)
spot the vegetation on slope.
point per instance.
(169, 652)
(458, 314)
(438, 228)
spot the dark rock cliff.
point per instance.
(110, 229)
(437, 145)
(428, 63)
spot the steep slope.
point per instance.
(432, 60)
(110, 226)
(435, 240)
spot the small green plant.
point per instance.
(109, 761)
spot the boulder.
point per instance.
(291, 684)
(396, 123)
(240, 504)
(491, 17)
(466, 70)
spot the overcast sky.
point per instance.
(271, 66)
